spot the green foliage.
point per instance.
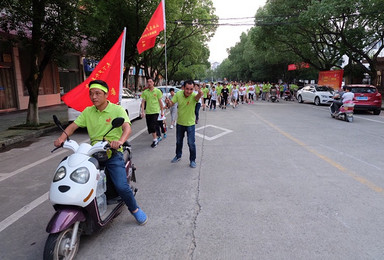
(318, 32)
(47, 29)
(187, 50)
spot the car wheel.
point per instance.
(317, 101)
(300, 99)
(376, 112)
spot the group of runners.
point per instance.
(235, 93)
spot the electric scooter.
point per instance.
(273, 95)
(345, 112)
(79, 193)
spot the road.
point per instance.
(273, 181)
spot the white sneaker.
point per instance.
(171, 126)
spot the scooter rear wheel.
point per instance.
(349, 119)
(57, 246)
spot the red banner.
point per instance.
(153, 29)
(109, 70)
(332, 78)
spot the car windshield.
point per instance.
(322, 88)
(363, 90)
(127, 93)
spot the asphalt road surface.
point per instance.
(273, 181)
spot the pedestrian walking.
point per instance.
(198, 104)
(205, 91)
(151, 107)
(213, 94)
(186, 101)
(234, 95)
(173, 109)
(224, 96)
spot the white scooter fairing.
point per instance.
(76, 177)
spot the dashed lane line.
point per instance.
(27, 208)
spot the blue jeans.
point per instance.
(197, 109)
(180, 131)
(116, 168)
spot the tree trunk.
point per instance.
(33, 113)
(32, 84)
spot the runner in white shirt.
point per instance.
(213, 94)
(235, 95)
(251, 93)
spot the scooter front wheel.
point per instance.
(58, 246)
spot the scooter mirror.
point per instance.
(117, 122)
(59, 125)
(57, 121)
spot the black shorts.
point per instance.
(151, 122)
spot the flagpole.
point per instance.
(165, 44)
(122, 66)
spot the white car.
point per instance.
(165, 90)
(315, 94)
(130, 101)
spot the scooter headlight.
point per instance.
(60, 174)
(80, 175)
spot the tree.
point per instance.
(357, 26)
(187, 51)
(47, 29)
(285, 28)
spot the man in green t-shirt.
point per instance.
(97, 119)
(151, 101)
(186, 101)
(205, 91)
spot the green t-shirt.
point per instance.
(266, 87)
(98, 123)
(218, 89)
(205, 92)
(185, 108)
(152, 100)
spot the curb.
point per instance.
(20, 138)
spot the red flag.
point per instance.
(292, 67)
(154, 27)
(302, 65)
(109, 69)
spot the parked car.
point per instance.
(367, 98)
(165, 90)
(315, 94)
(130, 101)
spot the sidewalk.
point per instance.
(9, 137)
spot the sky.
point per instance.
(227, 36)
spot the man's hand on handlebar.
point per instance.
(58, 142)
(116, 144)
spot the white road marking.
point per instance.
(27, 208)
(354, 115)
(353, 157)
(21, 212)
(225, 131)
(7, 175)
